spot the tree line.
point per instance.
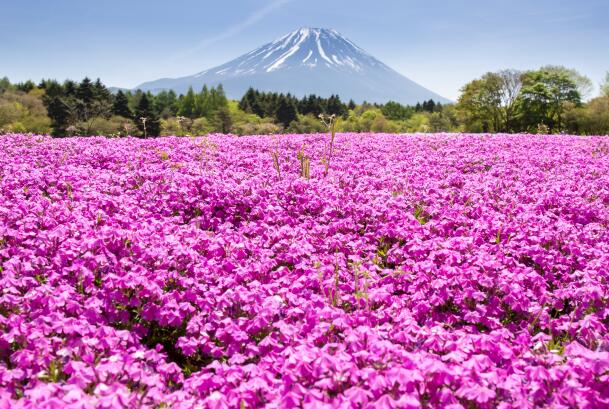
(285, 108)
(547, 100)
(75, 107)
(551, 99)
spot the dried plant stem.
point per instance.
(330, 122)
(275, 156)
(305, 163)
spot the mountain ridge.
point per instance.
(306, 61)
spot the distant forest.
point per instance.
(552, 99)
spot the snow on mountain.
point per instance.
(306, 61)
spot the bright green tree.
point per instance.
(488, 104)
(187, 105)
(583, 83)
(222, 120)
(396, 111)
(544, 97)
(605, 85)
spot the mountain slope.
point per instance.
(306, 61)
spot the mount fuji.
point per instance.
(306, 61)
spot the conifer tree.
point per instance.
(100, 92)
(166, 103)
(26, 86)
(256, 104)
(121, 105)
(70, 88)
(85, 92)
(286, 111)
(222, 120)
(187, 105)
(334, 106)
(203, 102)
(57, 109)
(146, 118)
(5, 85)
(246, 102)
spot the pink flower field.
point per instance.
(422, 271)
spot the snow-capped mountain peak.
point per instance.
(305, 47)
(307, 61)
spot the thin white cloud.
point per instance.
(239, 27)
(568, 19)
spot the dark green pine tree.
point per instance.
(5, 85)
(57, 109)
(256, 105)
(351, 105)
(429, 105)
(85, 92)
(101, 93)
(246, 101)
(146, 118)
(312, 105)
(245, 106)
(26, 86)
(320, 105)
(70, 89)
(301, 106)
(121, 105)
(286, 111)
(43, 83)
(335, 106)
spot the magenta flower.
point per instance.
(439, 271)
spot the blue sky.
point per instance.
(439, 44)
